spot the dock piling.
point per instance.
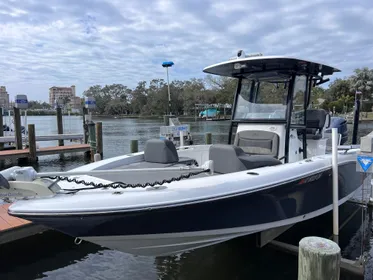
(355, 128)
(85, 125)
(99, 142)
(17, 128)
(32, 143)
(181, 138)
(208, 138)
(166, 119)
(1, 130)
(92, 138)
(134, 146)
(319, 258)
(60, 125)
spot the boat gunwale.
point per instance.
(182, 203)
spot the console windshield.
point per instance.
(261, 100)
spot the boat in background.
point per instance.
(174, 131)
(274, 171)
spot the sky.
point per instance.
(88, 42)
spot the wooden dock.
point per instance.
(25, 153)
(52, 137)
(12, 228)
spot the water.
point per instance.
(52, 255)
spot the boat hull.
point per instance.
(174, 229)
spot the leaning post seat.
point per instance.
(229, 158)
(163, 151)
(317, 119)
(258, 142)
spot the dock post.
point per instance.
(319, 258)
(181, 138)
(99, 142)
(166, 119)
(60, 125)
(85, 125)
(17, 128)
(335, 183)
(32, 143)
(92, 139)
(208, 138)
(1, 130)
(134, 146)
(355, 128)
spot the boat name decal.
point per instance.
(310, 179)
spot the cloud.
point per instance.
(87, 42)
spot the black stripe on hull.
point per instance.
(287, 201)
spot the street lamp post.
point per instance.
(167, 64)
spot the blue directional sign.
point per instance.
(365, 162)
(21, 101)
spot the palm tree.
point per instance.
(347, 100)
(362, 81)
(64, 101)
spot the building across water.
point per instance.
(4, 97)
(66, 95)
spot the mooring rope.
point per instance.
(119, 184)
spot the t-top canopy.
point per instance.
(282, 65)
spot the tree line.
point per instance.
(151, 98)
(340, 94)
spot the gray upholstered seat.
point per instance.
(258, 142)
(160, 151)
(229, 158)
(316, 119)
(163, 153)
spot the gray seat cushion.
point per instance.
(160, 151)
(258, 142)
(257, 161)
(229, 158)
(225, 158)
(316, 119)
(163, 153)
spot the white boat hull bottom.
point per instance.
(174, 243)
(160, 244)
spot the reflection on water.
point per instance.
(234, 259)
(55, 256)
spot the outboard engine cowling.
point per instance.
(341, 124)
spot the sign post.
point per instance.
(364, 164)
(167, 64)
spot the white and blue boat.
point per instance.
(275, 171)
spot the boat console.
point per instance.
(271, 111)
